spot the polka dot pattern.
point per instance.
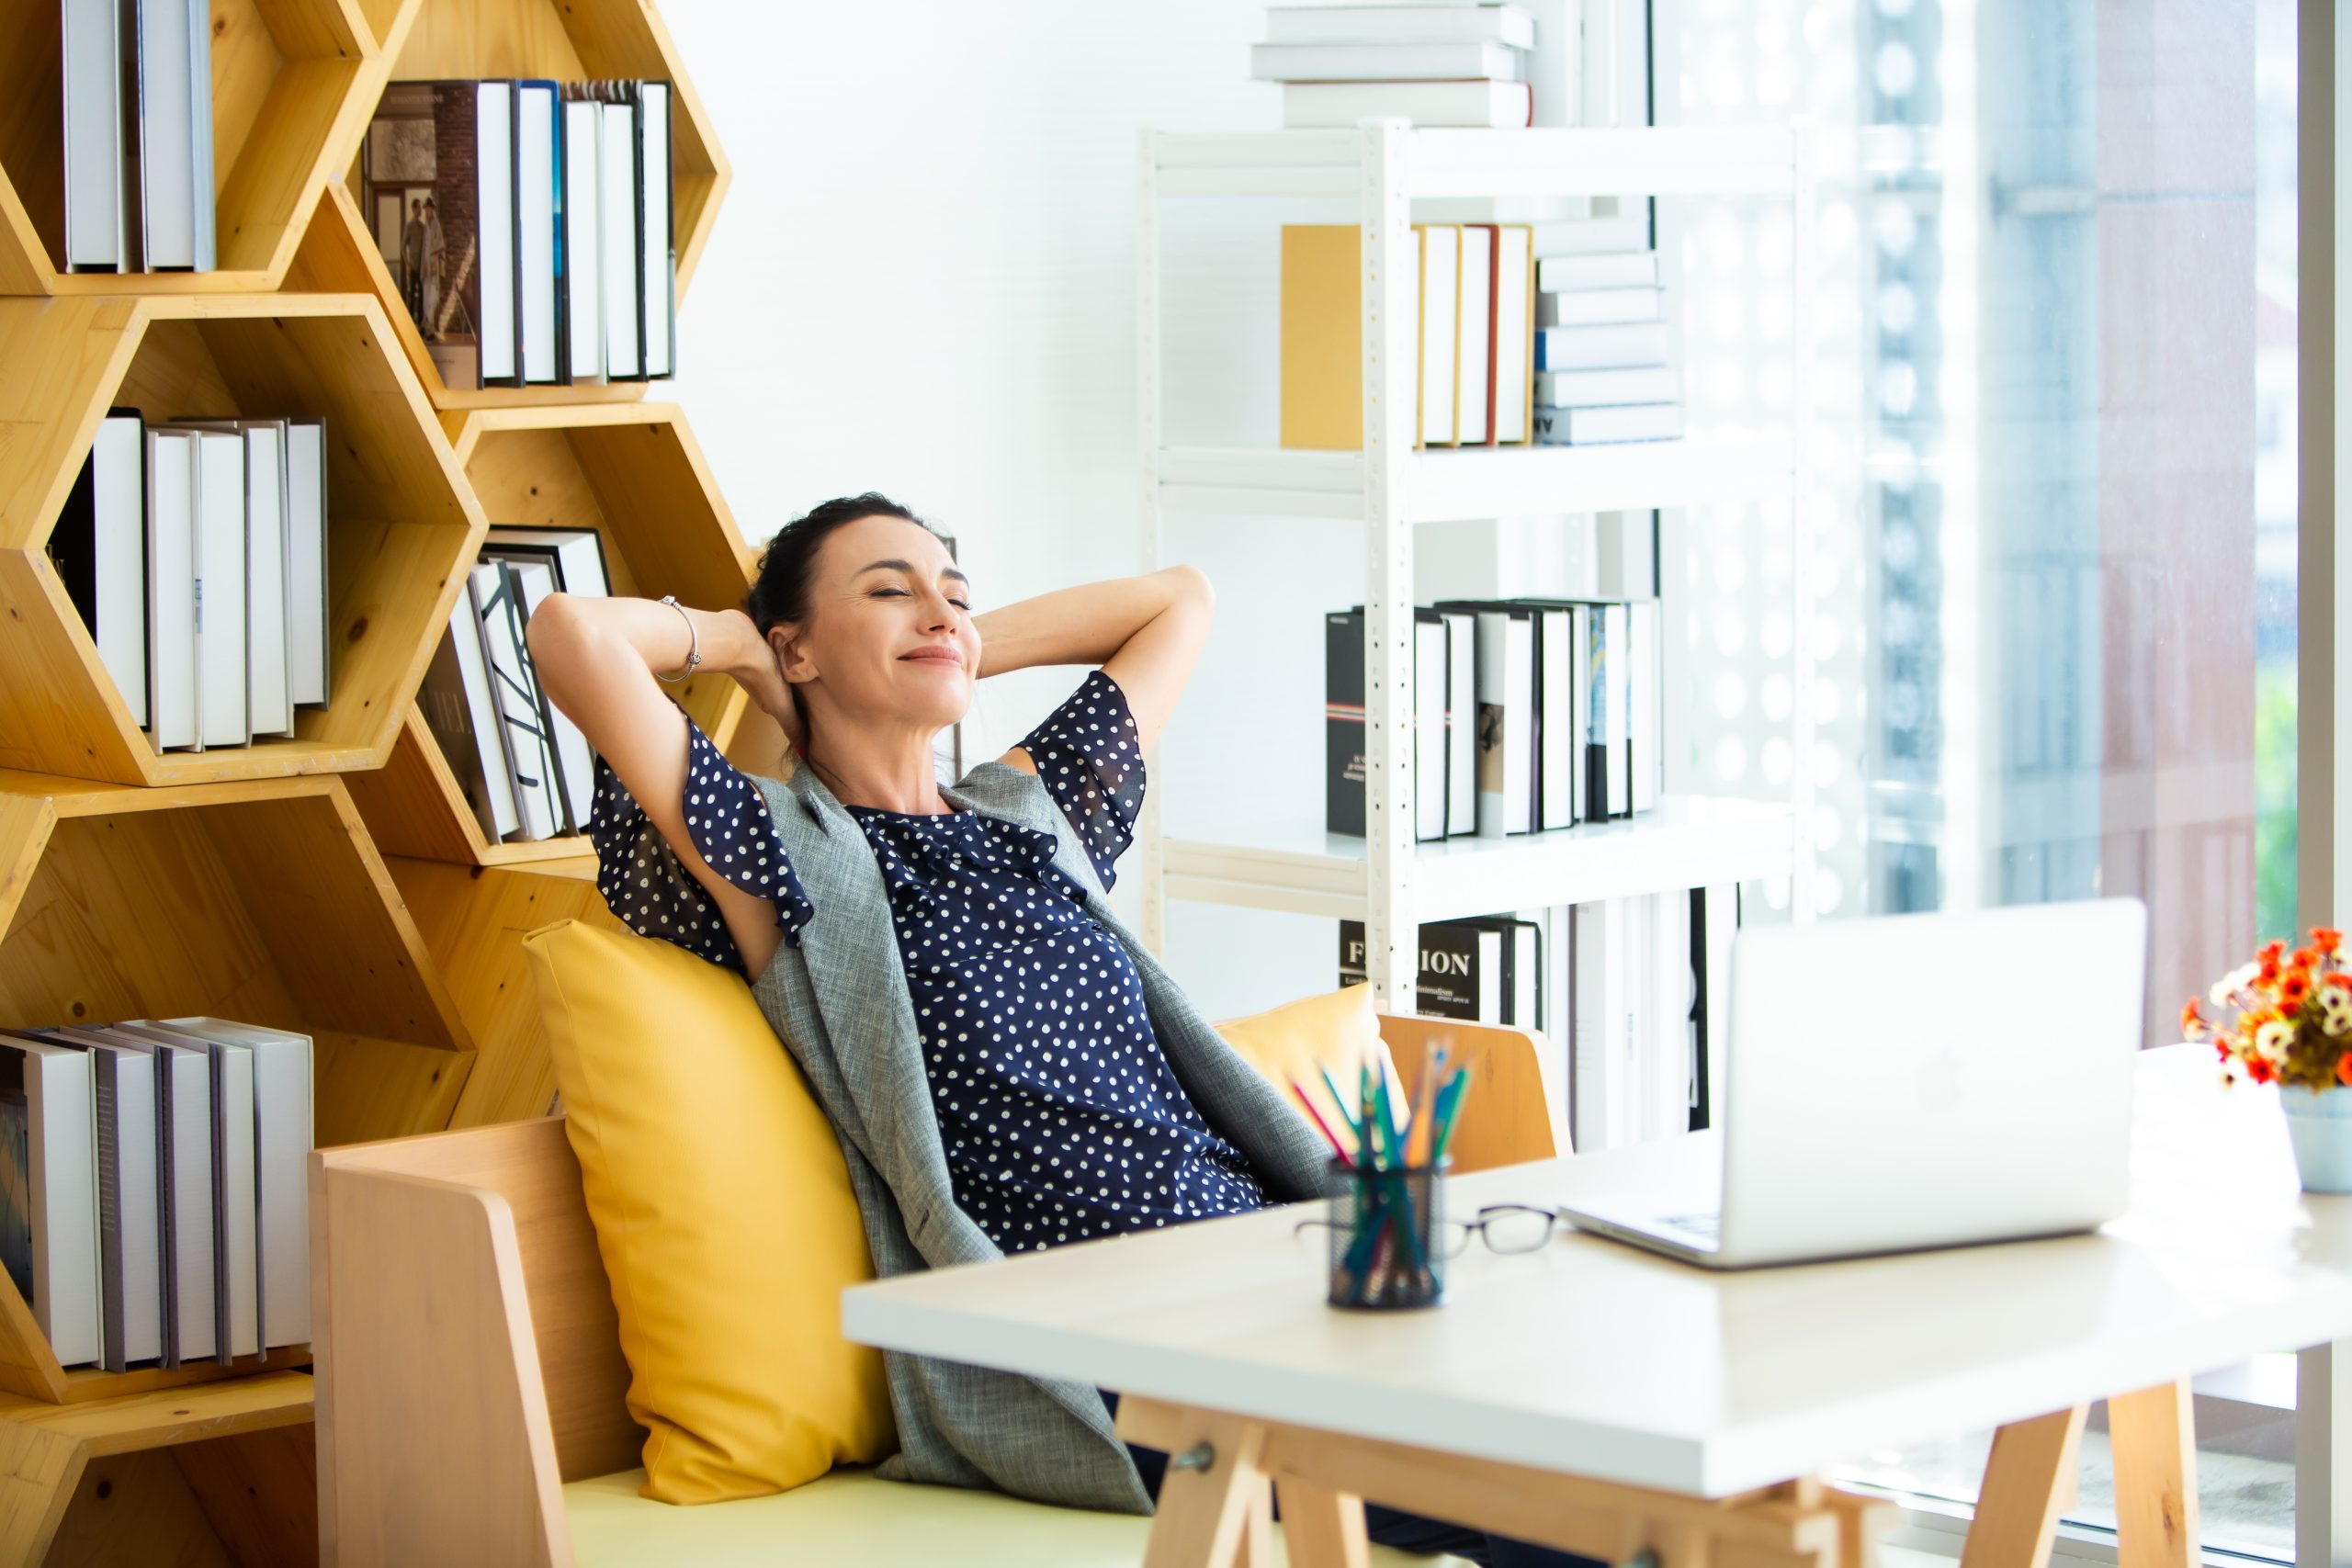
(649, 888)
(1090, 761)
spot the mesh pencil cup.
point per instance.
(1384, 1229)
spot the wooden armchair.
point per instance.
(468, 1354)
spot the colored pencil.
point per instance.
(1320, 1126)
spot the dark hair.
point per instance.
(780, 591)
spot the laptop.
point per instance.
(1914, 1081)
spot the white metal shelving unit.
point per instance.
(1385, 878)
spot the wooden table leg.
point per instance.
(2154, 1437)
(1214, 1483)
(2027, 1482)
(1322, 1527)
(1257, 1547)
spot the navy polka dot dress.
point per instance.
(1059, 1115)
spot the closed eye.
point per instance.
(960, 604)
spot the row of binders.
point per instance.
(1528, 714)
(136, 83)
(1602, 373)
(522, 765)
(155, 1201)
(1475, 289)
(1481, 969)
(1435, 65)
(196, 553)
(528, 224)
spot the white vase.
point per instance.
(2319, 1125)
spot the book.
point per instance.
(269, 588)
(1440, 314)
(1345, 723)
(129, 1235)
(499, 225)
(1608, 424)
(171, 586)
(236, 1278)
(462, 713)
(184, 1167)
(658, 272)
(282, 1140)
(515, 694)
(1389, 61)
(1430, 687)
(48, 1165)
(1322, 337)
(1459, 971)
(583, 280)
(1461, 721)
(439, 183)
(1559, 752)
(1599, 270)
(1646, 702)
(1593, 389)
(1506, 732)
(575, 763)
(91, 80)
(1609, 787)
(1514, 290)
(537, 170)
(577, 554)
(173, 50)
(1590, 307)
(1400, 24)
(1474, 338)
(99, 549)
(1337, 106)
(309, 658)
(1600, 1050)
(624, 249)
(1593, 236)
(219, 490)
(1601, 347)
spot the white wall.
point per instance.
(922, 282)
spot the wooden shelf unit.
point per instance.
(293, 83)
(401, 520)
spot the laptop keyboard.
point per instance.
(1708, 1225)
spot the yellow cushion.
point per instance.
(723, 1213)
(1338, 1031)
(854, 1517)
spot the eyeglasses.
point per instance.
(1504, 1228)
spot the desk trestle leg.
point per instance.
(2031, 1480)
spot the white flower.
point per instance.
(2273, 1038)
(2334, 1010)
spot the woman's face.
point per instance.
(888, 633)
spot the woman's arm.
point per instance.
(1146, 632)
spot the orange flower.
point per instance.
(2344, 1068)
(2326, 938)
(2294, 988)
(2302, 958)
(2257, 1069)
(2268, 973)
(2272, 949)
(2338, 978)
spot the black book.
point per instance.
(1462, 968)
(438, 183)
(1345, 756)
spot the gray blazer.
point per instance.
(840, 1003)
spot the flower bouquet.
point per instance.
(2286, 1019)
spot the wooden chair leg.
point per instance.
(2027, 1482)
(1257, 1549)
(1204, 1510)
(2154, 1437)
(1322, 1527)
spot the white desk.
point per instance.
(1596, 1360)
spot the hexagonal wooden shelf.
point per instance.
(564, 41)
(293, 85)
(261, 899)
(402, 522)
(634, 472)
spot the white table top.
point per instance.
(1598, 1359)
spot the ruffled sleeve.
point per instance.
(651, 889)
(1089, 759)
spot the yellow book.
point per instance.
(1322, 370)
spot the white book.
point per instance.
(171, 585)
(1608, 424)
(1646, 700)
(199, 98)
(1400, 24)
(653, 166)
(529, 761)
(131, 1244)
(1605, 347)
(583, 240)
(268, 586)
(575, 763)
(1462, 722)
(54, 1179)
(236, 1279)
(495, 190)
(1514, 303)
(1594, 389)
(1385, 61)
(1478, 106)
(534, 133)
(578, 553)
(1589, 236)
(482, 712)
(168, 134)
(1429, 687)
(1579, 732)
(184, 1180)
(1605, 270)
(1474, 334)
(282, 1139)
(1612, 698)
(307, 659)
(1441, 305)
(1585, 307)
(219, 491)
(1506, 721)
(1556, 729)
(92, 83)
(1600, 1055)
(623, 252)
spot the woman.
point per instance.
(1019, 1073)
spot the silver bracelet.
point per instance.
(694, 643)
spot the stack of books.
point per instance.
(528, 225)
(154, 1197)
(196, 553)
(1486, 969)
(137, 83)
(1601, 371)
(1528, 714)
(1435, 65)
(522, 766)
(1474, 285)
